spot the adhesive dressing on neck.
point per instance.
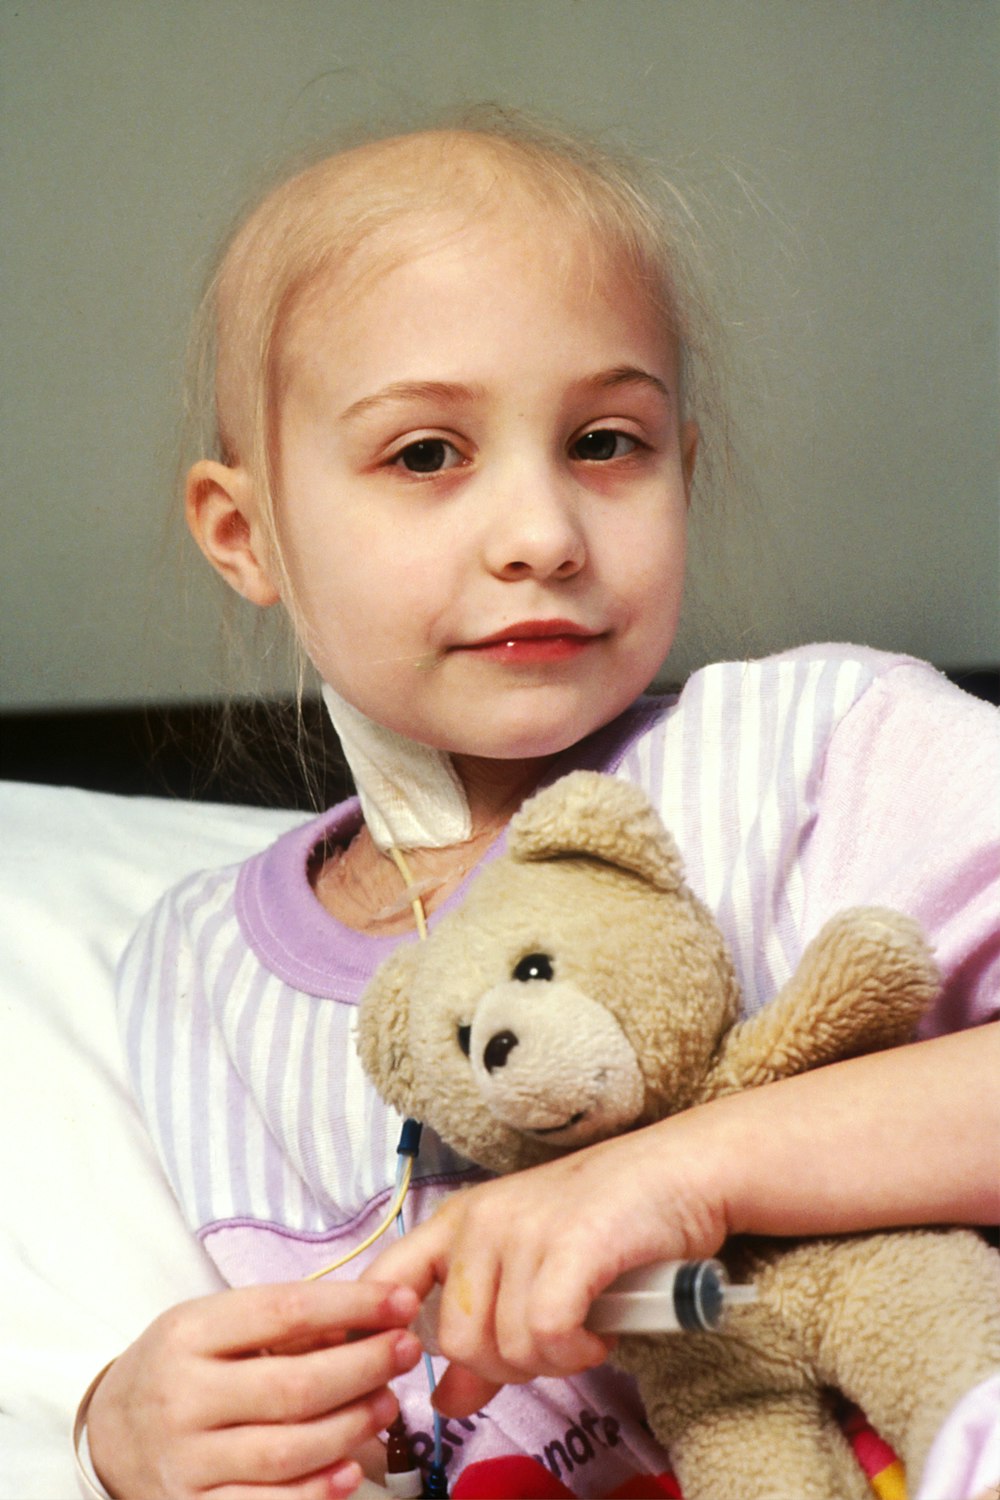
(411, 795)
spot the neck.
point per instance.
(362, 885)
(495, 789)
(442, 810)
(416, 797)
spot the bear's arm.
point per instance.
(862, 985)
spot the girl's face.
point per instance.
(483, 490)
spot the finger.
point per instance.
(514, 1334)
(342, 1480)
(281, 1453)
(302, 1387)
(494, 1321)
(559, 1299)
(565, 1354)
(466, 1333)
(419, 1260)
(329, 1484)
(461, 1392)
(251, 1318)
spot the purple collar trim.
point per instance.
(298, 940)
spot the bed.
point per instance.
(93, 1245)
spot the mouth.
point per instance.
(557, 1129)
(531, 641)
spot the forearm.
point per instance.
(903, 1137)
(909, 1136)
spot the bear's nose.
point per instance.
(498, 1049)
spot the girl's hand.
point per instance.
(896, 1138)
(522, 1258)
(258, 1392)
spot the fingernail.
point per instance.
(385, 1408)
(403, 1301)
(344, 1479)
(407, 1350)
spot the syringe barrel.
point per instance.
(672, 1296)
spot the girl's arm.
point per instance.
(910, 1136)
(266, 1390)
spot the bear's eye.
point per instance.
(464, 1038)
(533, 966)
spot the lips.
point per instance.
(531, 641)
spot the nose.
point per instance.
(536, 530)
(498, 1049)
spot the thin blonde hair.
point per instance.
(317, 220)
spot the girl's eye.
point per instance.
(603, 444)
(427, 456)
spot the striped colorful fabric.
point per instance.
(736, 776)
(238, 993)
(883, 1469)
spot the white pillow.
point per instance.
(92, 1245)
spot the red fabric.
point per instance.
(648, 1487)
(521, 1478)
(871, 1452)
(513, 1478)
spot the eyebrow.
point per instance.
(456, 393)
(628, 375)
(412, 390)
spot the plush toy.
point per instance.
(583, 990)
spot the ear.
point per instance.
(223, 519)
(383, 1034)
(592, 814)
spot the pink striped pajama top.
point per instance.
(797, 785)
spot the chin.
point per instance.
(536, 736)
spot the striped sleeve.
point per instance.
(833, 777)
(252, 1091)
(172, 1050)
(909, 816)
(735, 771)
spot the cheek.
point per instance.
(652, 560)
(346, 578)
(656, 587)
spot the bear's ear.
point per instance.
(591, 814)
(383, 1035)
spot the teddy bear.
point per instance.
(582, 990)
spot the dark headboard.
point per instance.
(248, 752)
(174, 751)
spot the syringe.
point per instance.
(672, 1296)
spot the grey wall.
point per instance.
(851, 152)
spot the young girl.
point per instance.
(456, 442)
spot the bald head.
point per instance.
(350, 217)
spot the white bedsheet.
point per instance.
(92, 1245)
